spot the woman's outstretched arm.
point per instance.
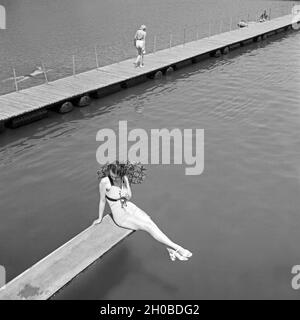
(128, 187)
(135, 38)
(102, 190)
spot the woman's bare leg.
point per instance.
(141, 221)
(158, 235)
(139, 57)
(137, 61)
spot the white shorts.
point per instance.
(139, 44)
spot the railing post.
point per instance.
(170, 44)
(184, 31)
(154, 44)
(74, 66)
(15, 78)
(96, 57)
(197, 32)
(270, 14)
(230, 23)
(209, 28)
(45, 73)
(221, 25)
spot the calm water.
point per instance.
(240, 217)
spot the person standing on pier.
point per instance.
(115, 188)
(139, 43)
(264, 17)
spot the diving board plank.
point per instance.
(50, 274)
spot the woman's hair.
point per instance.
(134, 171)
(116, 168)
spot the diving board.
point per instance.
(46, 277)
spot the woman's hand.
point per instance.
(97, 221)
(128, 189)
(124, 194)
(127, 196)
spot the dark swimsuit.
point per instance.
(109, 198)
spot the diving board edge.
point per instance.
(52, 273)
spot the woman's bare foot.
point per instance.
(171, 254)
(184, 252)
(180, 256)
(176, 255)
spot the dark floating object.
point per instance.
(84, 101)
(158, 75)
(124, 85)
(226, 50)
(169, 70)
(28, 118)
(218, 53)
(66, 107)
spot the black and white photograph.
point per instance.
(149, 151)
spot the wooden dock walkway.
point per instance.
(122, 74)
(52, 273)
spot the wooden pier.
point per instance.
(114, 77)
(52, 273)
